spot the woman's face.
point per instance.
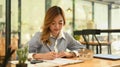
(56, 25)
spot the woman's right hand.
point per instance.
(45, 56)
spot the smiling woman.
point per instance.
(52, 42)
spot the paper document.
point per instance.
(63, 61)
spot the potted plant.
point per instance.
(22, 56)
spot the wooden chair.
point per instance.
(14, 45)
(2, 48)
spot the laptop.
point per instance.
(107, 56)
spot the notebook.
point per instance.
(63, 61)
(107, 56)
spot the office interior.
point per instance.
(21, 19)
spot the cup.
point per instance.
(85, 54)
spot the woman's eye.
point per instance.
(60, 23)
(53, 23)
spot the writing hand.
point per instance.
(46, 56)
(65, 54)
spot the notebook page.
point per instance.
(63, 61)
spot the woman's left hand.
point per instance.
(65, 54)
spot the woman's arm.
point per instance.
(73, 45)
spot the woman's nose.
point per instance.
(57, 25)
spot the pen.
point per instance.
(51, 50)
(48, 48)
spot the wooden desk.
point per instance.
(95, 62)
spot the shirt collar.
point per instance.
(61, 35)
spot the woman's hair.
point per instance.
(50, 15)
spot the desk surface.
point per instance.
(95, 62)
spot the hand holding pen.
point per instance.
(47, 56)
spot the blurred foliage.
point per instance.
(77, 37)
(22, 54)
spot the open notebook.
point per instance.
(63, 61)
(107, 56)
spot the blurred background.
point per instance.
(25, 17)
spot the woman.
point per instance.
(52, 42)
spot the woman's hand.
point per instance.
(46, 56)
(66, 54)
(52, 55)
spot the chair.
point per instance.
(2, 48)
(91, 39)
